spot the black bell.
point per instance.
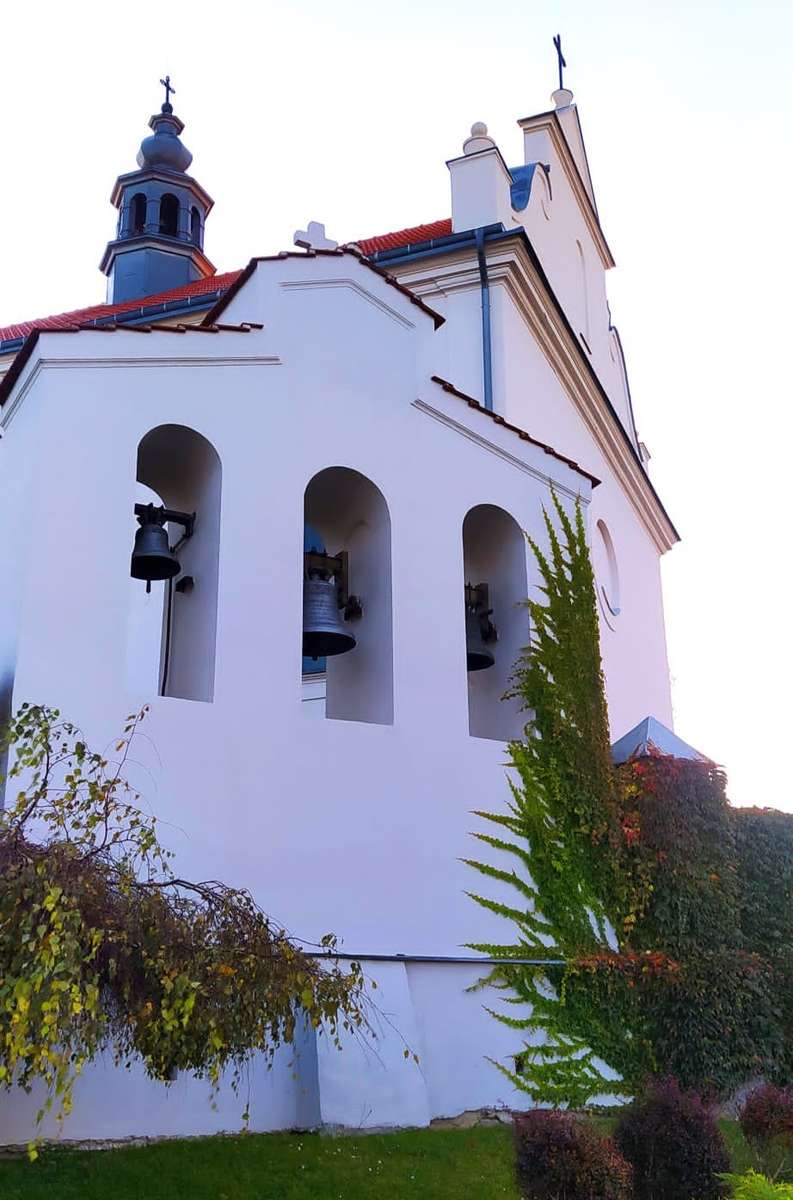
(152, 557)
(479, 629)
(324, 630)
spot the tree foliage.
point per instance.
(104, 947)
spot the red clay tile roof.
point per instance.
(81, 316)
(405, 237)
(208, 286)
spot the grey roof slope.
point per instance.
(650, 736)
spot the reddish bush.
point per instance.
(559, 1156)
(671, 1139)
(766, 1112)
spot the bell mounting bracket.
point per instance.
(153, 514)
(477, 599)
(324, 566)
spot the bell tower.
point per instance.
(159, 242)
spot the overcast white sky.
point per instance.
(346, 112)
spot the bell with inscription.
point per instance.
(324, 629)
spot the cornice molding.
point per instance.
(351, 285)
(583, 493)
(67, 364)
(510, 266)
(528, 294)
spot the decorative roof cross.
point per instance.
(166, 83)
(314, 238)
(557, 41)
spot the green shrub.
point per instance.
(752, 1186)
(559, 1156)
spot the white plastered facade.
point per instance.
(357, 826)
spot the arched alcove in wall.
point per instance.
(584, 286)
(607, 575)
(494, 553)
(349, 513)
(183, 469)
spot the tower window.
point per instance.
(169, 215)
(137, 219)
(195, 226)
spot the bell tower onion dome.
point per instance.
(159, 242)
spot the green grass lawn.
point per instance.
(474, 1164)
(470, 1164)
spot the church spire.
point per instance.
(159, 241)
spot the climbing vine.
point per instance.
(564, 833)
(659, 921)
(104, 947)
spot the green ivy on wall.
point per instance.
(672, 912)
(562, 832)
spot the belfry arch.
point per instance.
(183, 469)
(351, 516)
(494, 554)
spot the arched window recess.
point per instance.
(172, 633)
(494, 551)
(154, 559)
(347, 617)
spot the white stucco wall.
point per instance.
(370, 848)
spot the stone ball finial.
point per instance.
(479, 139)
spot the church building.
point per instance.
(286, 506)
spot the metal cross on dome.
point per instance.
(557, 41)
(166, 83)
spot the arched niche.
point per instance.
(184, 470)
(607, 574)
(583, 284)
(349, 513)
(494, 552)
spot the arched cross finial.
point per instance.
(166, 83)
(557, 41)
